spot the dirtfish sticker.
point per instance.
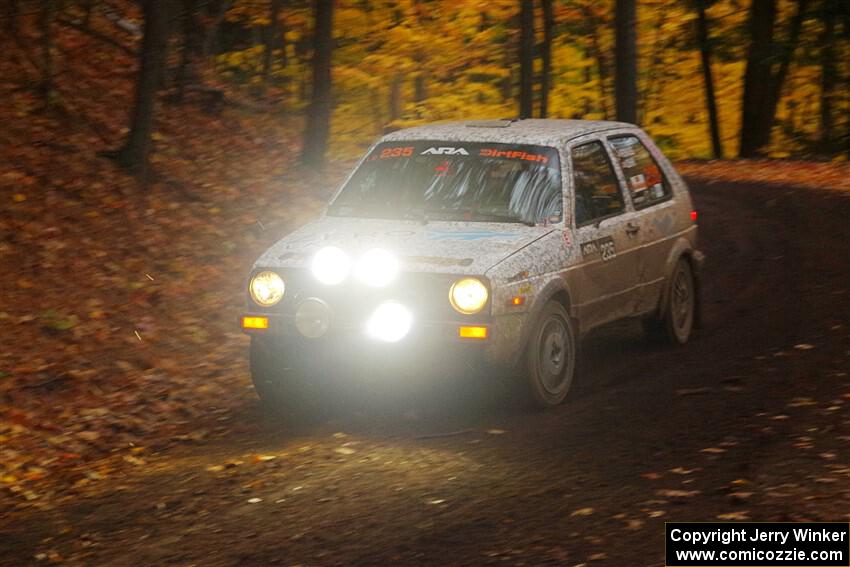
(467, 235)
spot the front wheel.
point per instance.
(551, 356)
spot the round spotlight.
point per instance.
(313, 318)
(468, 296)
(390, 322)
(266, 288)
(331, 265)
(376, 268)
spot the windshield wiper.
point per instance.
(417, 214)
(495, 217)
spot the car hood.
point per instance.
(440, 247)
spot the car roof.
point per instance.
(545, 132)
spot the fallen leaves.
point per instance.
(734, 516)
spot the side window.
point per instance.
(597, 191)
(645, 179)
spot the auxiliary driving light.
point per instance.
(468, 296)
(390, 322)
(266, 288)
(376, 268)
(331, 265)
(313, 318)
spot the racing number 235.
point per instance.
(606, 248)
(396, 152)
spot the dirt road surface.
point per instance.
(749, 421)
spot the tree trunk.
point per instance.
(12, 17)
(87, 10)
(134, 154)
(190, 46)
(420, 87)
(526, 59)
(625, 86)
(45, 18)
(757, 75)
(211, 39)
(546, 72)
(778, 79)
(763, 86)
(271, 40)
(317, 129)
(395, 98)
(599, 57)
(708, 79)
(653, 88)
(828, 74)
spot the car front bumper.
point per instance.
(492, 341)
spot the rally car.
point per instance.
(504, 241)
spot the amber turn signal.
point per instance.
(255, 323)
(467, 332)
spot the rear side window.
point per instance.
(597, 191)
(644, 178)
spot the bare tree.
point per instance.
(546, 54)
(829, 13)
(317, 129)
(191, 45)
(12, 17)
(272, 39)
(44, 20)
(707, 78)
(625, 83)
(763, 84)
(526, 58)
(134, 154)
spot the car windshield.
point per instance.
(477, 182)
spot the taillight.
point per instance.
(694, 216)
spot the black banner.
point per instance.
(745, 544)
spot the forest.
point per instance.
(707, 78)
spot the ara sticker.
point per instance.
(602, 246)
(445, 151)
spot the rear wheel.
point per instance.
(551, 356)
(677, 320)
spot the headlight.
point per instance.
(468, 296)
(376, 268)
(331, 265)
(390, 322)
(266, 288)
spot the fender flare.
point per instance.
(556, 286)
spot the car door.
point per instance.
(604, 282)
(651, 194)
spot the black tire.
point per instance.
(678, 314)
(551, 355)
(280, 381)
